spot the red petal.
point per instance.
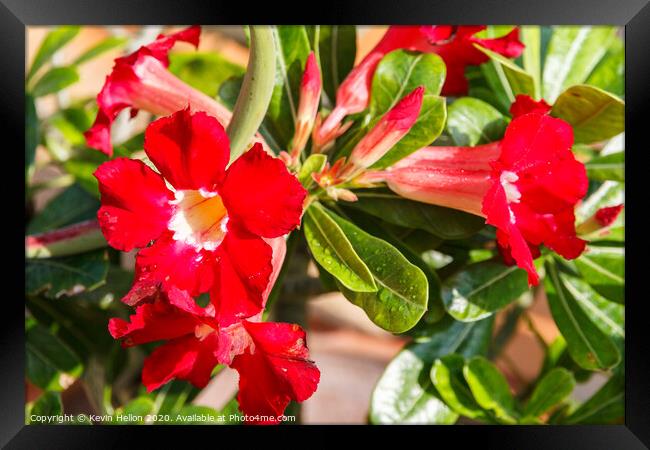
(170, 263)
(607, 215)
(276, 369)
(122, 84)
(279, 251)
(507, 45)
(186, 358)
(524, 104)
(241, 276)
(153, 322)
(261, 195)
(135, 206)
(190, 150)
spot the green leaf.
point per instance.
(608, 316)
(203, 71)
(334, 252)
(445, 223)
(594, 114)
(556, 385)
(402, 288)
(610, 193)
(48, 404)
(573, 52)
(512, 78)
(32, 136)
(447, 377)
(48, 358)
(472, 121)
(490, 388)
(68, 275)
(587, 344)
(405, 393)
(71, 206)
(336, 48)
(531, 37)
(480, 289)
(398, 74)
(135, 411)
(609, 74)
(313, 164)
(293, 49)
(107, 44)
(53, 41)
(55, 80)
(605, 406)
(607, 167)
(604, 269)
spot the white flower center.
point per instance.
(507, 181)
(199, 219)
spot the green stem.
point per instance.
(256, 90)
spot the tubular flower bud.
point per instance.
(310, 90)
(392, 127)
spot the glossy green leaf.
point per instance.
(205, 71)
(55, 80)
(54, 40)
(531, 37)
(48, 404)
(609, 74)
(405, 394)
(107, 44)
(573, 52)
(32, 136)
(398, 74)
(605, 406)
(607, 167)
(608, 316)
(512, 78)
(66, 275)
(445, 223)
(314, 164)
(402, 288)
(49, 360)
(480, 289)
(293, 49)
(594, 115)
(336, 47)
(587, 344)
(472, 121)
(71, 206)
(490, 388)
(604, 269)
(556, 385)
(334, 252)
(447, 377)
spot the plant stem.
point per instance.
(256, 90)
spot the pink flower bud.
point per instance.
(389, 130)
(310, 89)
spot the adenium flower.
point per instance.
(208, 224)
(455, 45)
(272, 358)
(141, 81)
(526, 185)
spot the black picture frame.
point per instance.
(16, 15)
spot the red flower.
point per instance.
(600, 221)
(141, 81)
(272, 358)
(524, 104)
(455, 45)
(526, 185)
(209, 224)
